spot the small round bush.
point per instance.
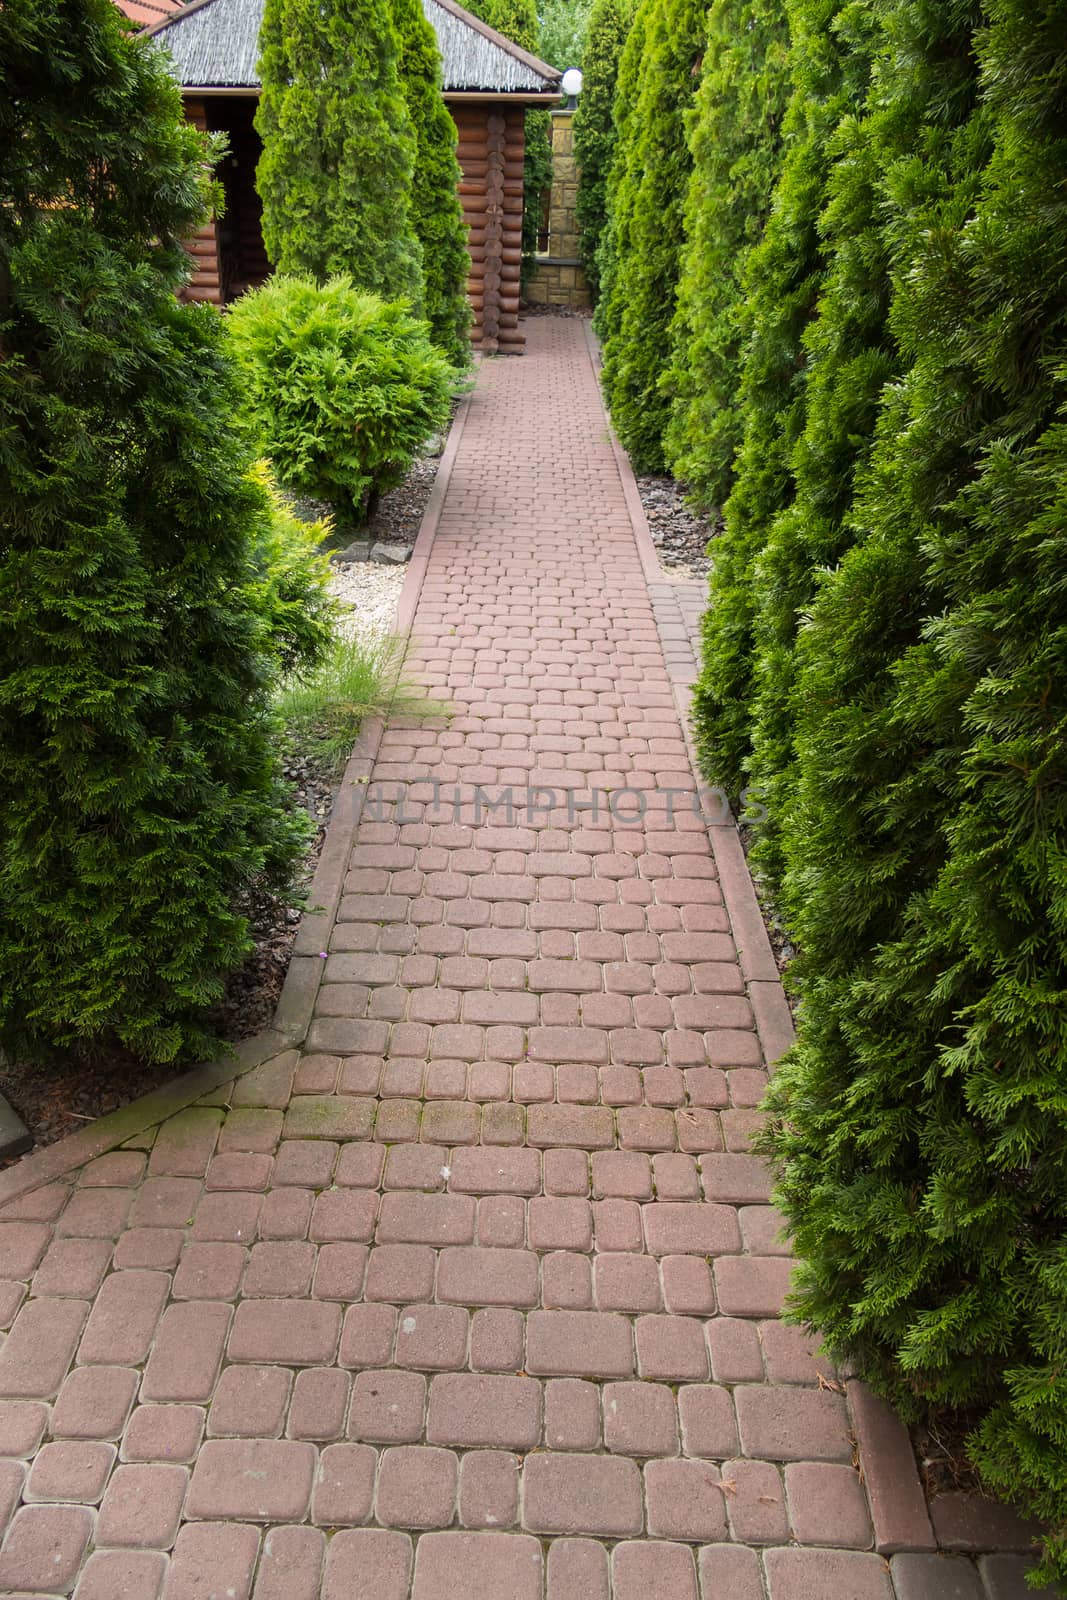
(341, 388)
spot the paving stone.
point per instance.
(163, 1433)
(319, 1404)
(22, 1426)
(792, 1424)
(185, 1143)
(436, 1219)
(474, 1410)
(489, 1489)
(729, 1572)
(506, 1565)
(826, 1575)
(44, 1548)
(755, 1502)
(368, 1564)
(577, 1570)
(937, 1577)
(572, 1414)
(640, 1568)
(209, 1272)
(70, 1471)
(827, 1505)
(73, 1267)
(22, 1244)
(250, 1402)
(476, 1276)
(300, 1333)
(40, 1347)
(685, 1500)
(122, 1575)
(640, 1419)
(142, 1506)
(671, 1348)
(251, 1480)
(417, 1487)
(432, 1337)
(290, 1567)
(582, 1494)
(344, 1485)
(683, 1228)
(187, 1352)
(124, 1318)
(1005, 1579)
(752, 1286)
(579, 1344)
(94, 1403)
(212, 1559)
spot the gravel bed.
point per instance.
(679, 533)
(370, 593)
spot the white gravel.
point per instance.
(370, 593)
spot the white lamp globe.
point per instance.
(572, 82)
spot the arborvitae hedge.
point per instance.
(517, 20)
(594, 127)
(339, 147)
(619, 195)
(655, 168)
(436, 213)
(922, 1119)
(784, 274)
(138, 793)
(734, 134)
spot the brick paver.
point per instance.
(477, 1293)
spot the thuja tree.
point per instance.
(619, 194)
(734, 133)
(890, 166)
(655, 168)
(138, 795)
(339, 148)
(594, 127)
(436, 214)
(921, 1122)
(784, 275)
(517, 20)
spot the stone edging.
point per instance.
(296, 1003)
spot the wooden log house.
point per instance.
(488, 83)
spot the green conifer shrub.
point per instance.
(335, 176)
(619, 194)
(784, 274)
(734, 133)
(436, 213)
(655, 169)
(139, 796)
(920, 1124)
(340, 388)
(594, 125)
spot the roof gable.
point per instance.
(215, 44)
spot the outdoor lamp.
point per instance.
(572, 87)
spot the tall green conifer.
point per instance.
(436, 213)
(655, 168)
(734, 130)
(339, 147)
(138, 793)
(594, 125)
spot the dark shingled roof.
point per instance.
(215, 44)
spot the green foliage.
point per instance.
(339, 148)
(289, 586)
(436, 213)
(340, 388)
(594, 126)
(784, 273)
(564, 24)
(655, 166)
(358, 677)
(517, 20)
(619, 195)
(734, 134)
(139, 796)
(886, 657)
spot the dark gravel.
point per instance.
(679, 533)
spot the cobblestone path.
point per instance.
(476, 1294)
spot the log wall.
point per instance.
(205, 283)
(491, 148)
